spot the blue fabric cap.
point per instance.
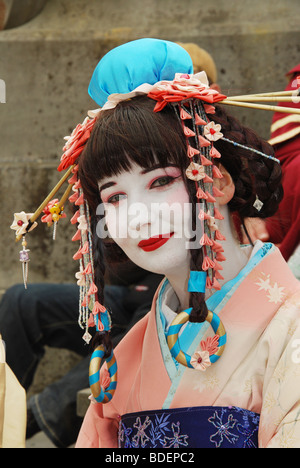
(197, 281)
(142, 61)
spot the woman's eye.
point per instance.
(116, 198)
(161, 181)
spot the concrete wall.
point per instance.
(47, 64)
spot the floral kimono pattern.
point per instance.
(206, 427)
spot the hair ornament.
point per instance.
(22, 224)
(102, 392)
(212, 131)
(197, 281)
(54, 211)
(205, 161)
(195, 171)
(75, 143)
(192, 151)
(91, 312)
(234, 143)
(190, 95)
(210, 350)
(258, 204)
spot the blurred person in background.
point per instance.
(284, 226)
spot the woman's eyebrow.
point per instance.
(156, 166)
(107, 185)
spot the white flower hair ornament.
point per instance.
(22, 224)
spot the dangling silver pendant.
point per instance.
(258, 204)
(24, 259)
(87, 337)
(54, 230)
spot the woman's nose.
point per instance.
(139, 216)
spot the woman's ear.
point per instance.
(226, 185)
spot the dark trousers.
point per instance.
(47, 315)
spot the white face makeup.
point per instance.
(147, 213)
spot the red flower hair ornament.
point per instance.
(75, 143)
(182, 88)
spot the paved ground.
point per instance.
(40, 441)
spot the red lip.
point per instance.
(154, 242)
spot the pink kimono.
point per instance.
(252, 392)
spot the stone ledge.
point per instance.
(53, 366)
(66, 19)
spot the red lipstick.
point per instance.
(154, 242)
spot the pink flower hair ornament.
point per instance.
(191, 95)
(52, 212)
(182, 88)
(76, 143)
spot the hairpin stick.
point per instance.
(282, 93)
(287, 110)
(57, 210)
(274, 93)
(65, 196)
(51, 195)
(37, 213)
(266, 99)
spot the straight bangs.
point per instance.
(131, 133)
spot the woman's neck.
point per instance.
(179, 283)
(236, 259)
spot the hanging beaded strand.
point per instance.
(88, 288)
(91, 312)
(260, 153)
(213, 248)
(78, 218)
(201, 152)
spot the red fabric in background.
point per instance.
(284, 226)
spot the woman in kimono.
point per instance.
(215, 363)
